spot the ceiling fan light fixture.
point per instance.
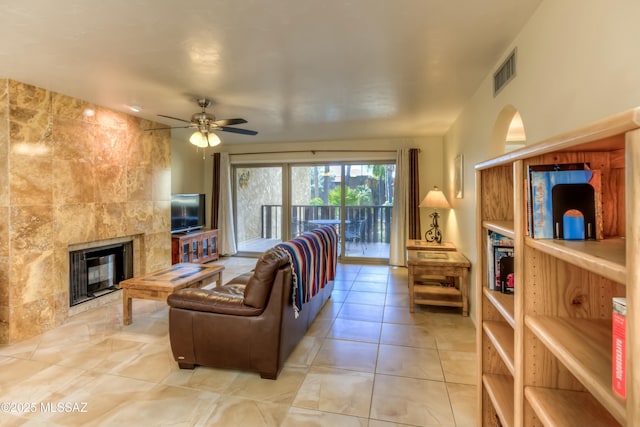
(213, 139)
(198, 139)
(203, 139)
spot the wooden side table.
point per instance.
(438, 263)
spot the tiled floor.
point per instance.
(366, 361)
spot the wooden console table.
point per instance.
(160, 284)
(448, 263)
(194, 247)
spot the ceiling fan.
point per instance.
(205, 123)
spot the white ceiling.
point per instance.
(296, 70)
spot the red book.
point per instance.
(619, 344)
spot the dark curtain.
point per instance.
(215, 191)
(414, 195)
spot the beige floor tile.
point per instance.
(402, 315)
(21, 350)
(282, 390)
(342, 285)
(456, 338)
(202, 378)
(161, 404)
(337, 391)
(397, 300)
(320, 327)
(152, 363)
(309, 418)
(379, 423)
(235, 411)
(458, 366)
(33, 381)
(355, 330)
(305, 352)
(411, 401)
(407, 335)
(364, 312)
(370, 298)
(330, 310)
(369, 284)
(105, 397)
(463, 402)
(409, 362)
(355, 356)
(338, 295)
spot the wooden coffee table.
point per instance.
(158, 285)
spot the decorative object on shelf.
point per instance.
(498, 246)
(556, 193)
(458, 178)
(619, 346)
(434, 199)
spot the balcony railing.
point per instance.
(376, 229)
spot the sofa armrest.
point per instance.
(227, 299)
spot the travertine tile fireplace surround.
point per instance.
(68, 178)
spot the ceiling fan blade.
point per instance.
(167, 128)
(229, 122)
(174, 118)
(236, 130)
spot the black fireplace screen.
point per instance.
(96, 271)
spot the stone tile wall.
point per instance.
(67, 178)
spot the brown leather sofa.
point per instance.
(247, 324)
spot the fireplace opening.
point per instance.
(95, 272)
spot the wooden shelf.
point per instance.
(583, 346)
(567, 408)
(447, 296)
(500, 391)
(501, 335)
(559, 352)
(502, 227)
(504, 303)
(604, 257)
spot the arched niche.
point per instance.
(508, 132)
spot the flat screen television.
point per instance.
(187, 212)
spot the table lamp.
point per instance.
(434, 199)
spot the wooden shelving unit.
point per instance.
(544, 353)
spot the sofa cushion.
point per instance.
(259, 286)
(227, 299)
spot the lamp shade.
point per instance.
(204, 139)
(435, 199)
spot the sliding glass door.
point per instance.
(356, 198)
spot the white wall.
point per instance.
(187, 167)
(577, 62)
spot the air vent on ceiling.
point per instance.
(505, 73)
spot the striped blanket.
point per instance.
(313, 257)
